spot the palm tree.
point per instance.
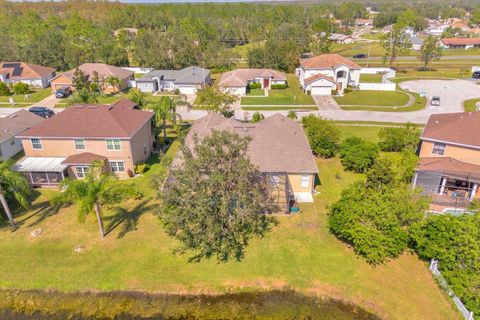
(137, 96)
(99, 188)
(292, 115)
(114, 82)
(13, 185)
(163, 112)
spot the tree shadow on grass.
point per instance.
(34, 216)
(126, 220)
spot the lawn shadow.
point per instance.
(127, 220)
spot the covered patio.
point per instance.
(42, 171)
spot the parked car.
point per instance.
(476, 75)
(63, 92)
(435, 101)
(42, 112)
(360, 56)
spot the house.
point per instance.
(67, 144)
(236, 81)
(460, 43)
(186, 81)
(12, 125)
(416, 43)
(279, 149)
(449, 159)
(321, 74)
(104, 71)
(363, 22)
(31, 74)
(410, 31)
(340, 38)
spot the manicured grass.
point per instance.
(112, 98)
(36, 96)
(293, 95)
(351, 49)
(435, 73)
(369, 133)
(278, 108)
(373, 98)
(371, 78)
(470, 105)
(256, 92)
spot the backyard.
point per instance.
(299, 253)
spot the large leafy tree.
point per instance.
(430, 51)
(399, 138)
(215, 201)
(14, 187)
(323, 135)
(357, 154)
(395, 43)
(97, 190)
(213, 99)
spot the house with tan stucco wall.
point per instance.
(67, 144)
(279, 149)
(449, 159)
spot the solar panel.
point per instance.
(17, 72)
(11, 65)
(17, 69)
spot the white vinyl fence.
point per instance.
(467, 314)
(138, 69)
(385, 85)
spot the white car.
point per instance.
(435, 101)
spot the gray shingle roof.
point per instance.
(189, 75)
(16, 123)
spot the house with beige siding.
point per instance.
(449, 159)
(279, 149)
(67, 144)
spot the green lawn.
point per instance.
(256, 92)
(292, 95)
(373, 98)
(369, 133)
(470, 105)
(299, 253)
(242, 51)
(279, 108)
(36, 96)
(371, 78)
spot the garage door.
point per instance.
(321, 90)
(188, 90)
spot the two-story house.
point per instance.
(449, 163)
(67, 144)
(322, 74)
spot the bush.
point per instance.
(323, 135)
(257, 117)
(347, 90)
(141, 168)
(398, 139)
(254, 85)
(279, 86)
(21, 88)
(334, 92)
(292, 115)
(358, 155)
(4, 89)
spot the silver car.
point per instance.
(435, 101)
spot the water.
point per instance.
(40, 305)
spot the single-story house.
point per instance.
(321, 74)
(460, 43)
(186, 81)
(104, 71)
(236, 81)
(279, 149)
(416, 43)
(67, 144)
(12, 125)
(29, 73)
(341, 38)
(363, 22)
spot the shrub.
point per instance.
(334, 92)
(347, 90)
(21, 88)
(4, 89)
(130, 173)
(254, 85)
(398, 139)
(257, 117)
(323, 135)
(292, 115)
(279, 86)
(358, 155)
(141, 168)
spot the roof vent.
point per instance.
(13, 116)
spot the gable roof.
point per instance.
(240, 77)
(104, 70)
(91, 121)
(460, 128)
(16, 123)
(278, 143)
(317, 77)
(189, 75)
(83, 158)
(460, 41)
(327, 61)
(23, 70)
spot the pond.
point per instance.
(52, 305)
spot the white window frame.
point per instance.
(39, 141)
(115, 167)
(76, 145)
(439, 148)
(304, 181)
(275, 180)
(113, 144)
(81, 171)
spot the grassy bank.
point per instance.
(373, 98)
(470, 105)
